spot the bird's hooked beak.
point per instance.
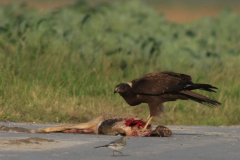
(115, 90)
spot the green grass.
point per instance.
(62, 66)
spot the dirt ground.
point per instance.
(175, 11)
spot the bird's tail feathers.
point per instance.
(101, 146)
(206, 87)
(200, 98)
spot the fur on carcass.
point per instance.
(109, 124)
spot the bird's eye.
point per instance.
(121, 87)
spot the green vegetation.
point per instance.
(62, 66)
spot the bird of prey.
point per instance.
(116, 145)
(157, 88)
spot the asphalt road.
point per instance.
(186, 143)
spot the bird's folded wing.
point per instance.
(160, 82)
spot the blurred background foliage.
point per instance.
(63, 65)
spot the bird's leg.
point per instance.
(113, 154)
(148, 121)
(148, 117)
(119, 152)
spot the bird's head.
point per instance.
(122, 88)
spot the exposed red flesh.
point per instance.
(135, 123)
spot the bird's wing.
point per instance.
(115, 144)
(160, 82)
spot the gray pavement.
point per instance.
(186, 143)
